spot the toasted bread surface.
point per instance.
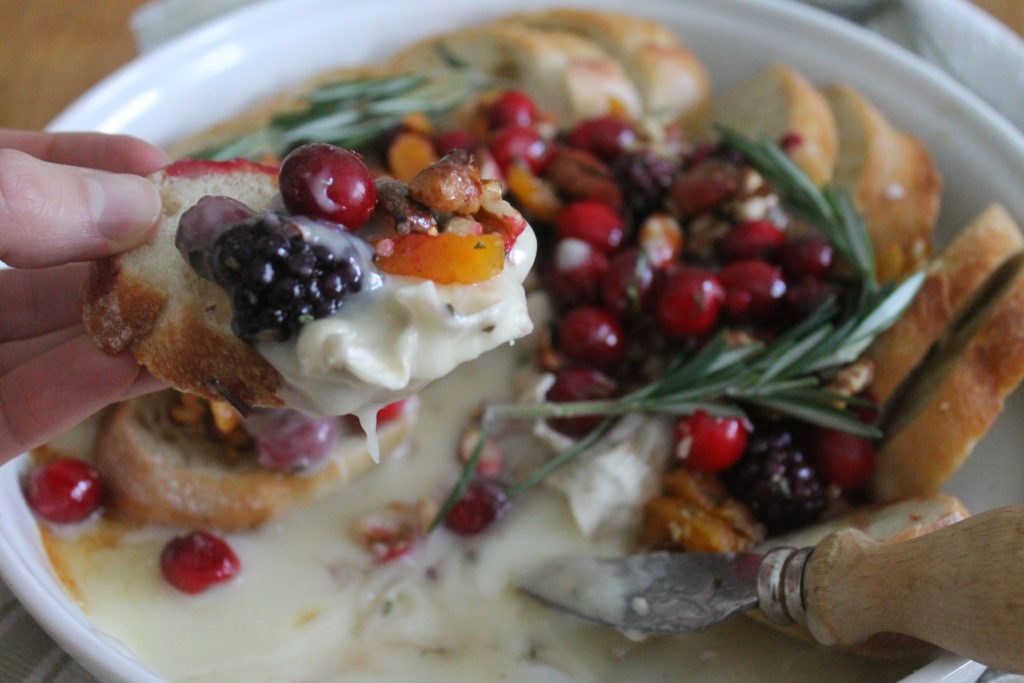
(671, 81)
(893, 180)
(151, 302)
(776, 101)
(921, 457)
(160, 471)
(952, 279)
(566, 74)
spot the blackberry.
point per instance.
(644, 178)
(282, 272)
(778, 482)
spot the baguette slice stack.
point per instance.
(566, 74)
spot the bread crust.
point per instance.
(893, 179)
(159, 471)
(979, 249)
(566, 74)
(920, 458)
(778, 100)
(671, 81)
(150, 302)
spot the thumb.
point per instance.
(52, 214)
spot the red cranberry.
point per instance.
(512, 108)
(751, 239)
(593, 222)
(627, 286)
(576, 272)
(605, 136)
(808, 295)
(194, 562)
(705, 186)
(390, 412)
(591, 335)
(845, 459)
(710, 444)
(809, 254)
(578, 383)
(324, 181)
(754, 290)
(689, 303)
(483, 503)
(520, 143)
(454, 139)
(790, 142)
(64, 490)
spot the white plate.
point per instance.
(215, 71)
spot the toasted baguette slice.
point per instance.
(566, 74)
(890, 523)
(893, 180)
(150, 302)
(778, 100)
(952, 279)
(163, 472)
(672, 82)
(918, 458)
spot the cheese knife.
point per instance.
(961, 588)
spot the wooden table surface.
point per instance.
(54, 50)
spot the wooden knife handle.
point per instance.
(961, 588)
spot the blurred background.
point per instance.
(54, 50)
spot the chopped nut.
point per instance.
(853, 378)
(704, 231)
(661, 239)
(581, 175)
(451, 185)
(409, 216)
(394, 530)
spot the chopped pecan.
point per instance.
(393, 531)
(853, 378)
(581, 175)
(696, 514)
(451, 185)
(409, 216)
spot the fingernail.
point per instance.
(124, 207)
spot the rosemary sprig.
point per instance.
(353, 112)
(786, 376)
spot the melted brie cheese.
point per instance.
(311, 605)
(391, 342)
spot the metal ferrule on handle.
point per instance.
(780, 585)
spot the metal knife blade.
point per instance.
(655, 593)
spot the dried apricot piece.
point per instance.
(446, 258)
(408, 154)
(534, 195)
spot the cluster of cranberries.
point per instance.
(280, 270)
(661, 259)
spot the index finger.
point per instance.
(117, 153)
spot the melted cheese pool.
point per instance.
(310, 605)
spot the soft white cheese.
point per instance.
(394, 340)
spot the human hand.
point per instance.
(65, 198)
